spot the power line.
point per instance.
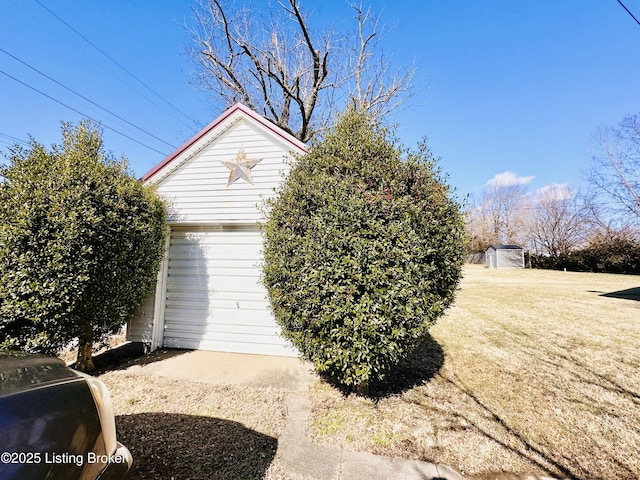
(13, 139)
(81, 113)
(116, 63)
(85, 98)
(629, 12)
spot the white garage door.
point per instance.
(214, 300)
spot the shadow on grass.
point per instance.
(586, 374)
(165, 446)
(128, 354)
(517, 439)
(424, 362)
(518, 442)
(628, 294)
(420, 366)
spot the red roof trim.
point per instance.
(238, 107)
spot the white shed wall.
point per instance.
(504, 258)
(510, 259)
(208, 295)
(140, 327)
(197, 190)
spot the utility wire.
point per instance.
(13, 139)
(116, 63)
(85, 98)
(629, 12)
(80, 113)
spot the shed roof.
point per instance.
(505, 247)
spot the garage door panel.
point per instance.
(206, 299)
(226, 286)
(246, 300)
(219, 331)
(240, 347)
(214, 299)
(212, 252)
(240, 305)
(211, 238)
(245, 276)
(186, 280)
(200, 300)
(229, 342)
(228, 279)
(202, 294)
(232, 289)
(194, 316)
(218, 263)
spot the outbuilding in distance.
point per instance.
(504, 256)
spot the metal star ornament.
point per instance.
(240, 167)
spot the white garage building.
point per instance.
(208, 295)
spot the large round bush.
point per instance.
(363, 251)
(81, 241)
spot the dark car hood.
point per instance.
(20, 372)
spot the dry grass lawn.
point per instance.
(531, 371)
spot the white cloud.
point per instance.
(556, 191)
(507, 179)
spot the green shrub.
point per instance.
(617, 255)
(80, 244)
(363, 251)
(601, 255)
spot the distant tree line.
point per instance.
(595, 230)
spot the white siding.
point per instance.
(504, 257)
(214, 300)
(208, 295)
(510, 258)
(140, 327)
(197, 189)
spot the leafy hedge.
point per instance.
(80, 242)
(363, 251)
(618, 255)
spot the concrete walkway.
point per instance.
(300, 456)
(323, 462)
(284, 373)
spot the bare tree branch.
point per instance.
(615, 169)
(287, 71)
(376, 90)
(559, 221)
(499, 217)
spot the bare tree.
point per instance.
(282, 68)
(605, 220)
(499, 216)
(510, 203)
(559, 221)
(375, 88)
(616, 167)
(480, 229)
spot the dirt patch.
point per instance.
(170, 445)
(70, 353)
(186, 429)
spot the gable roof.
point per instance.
(208, 133)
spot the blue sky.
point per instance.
(514, 86)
